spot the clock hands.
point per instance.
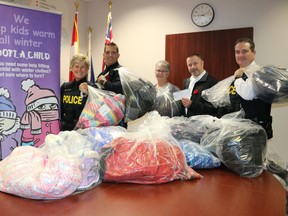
(203, 14)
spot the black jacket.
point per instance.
(113, 82)
(199, 105)
(72, 103)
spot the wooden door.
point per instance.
(216, 48)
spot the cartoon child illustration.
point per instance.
(9, 124)
(41, 116)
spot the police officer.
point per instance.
(72, 103)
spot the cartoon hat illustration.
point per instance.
(7, 109)
(35, 97)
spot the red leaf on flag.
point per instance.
(74, 43)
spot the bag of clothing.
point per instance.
(102, 108)
(271, 84)
(240, 144)
(143, 162)
(191, 128)
(100, 136)
(28, 172)
(165, 104)
(140, 95)
(218, 95)
(197, 156)
(149, 155)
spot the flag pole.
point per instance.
(110, 5)
(92, 77)
(90, 29)
(76, 3)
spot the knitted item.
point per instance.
(144, 162)
(105, 111)
(29, 173)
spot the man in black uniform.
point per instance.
(242, 93)
(72, 103)
(109, 78)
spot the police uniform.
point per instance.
(113, 81)
(243, 96)
(255, 109)
(72, 103)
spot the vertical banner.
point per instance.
(29, 76)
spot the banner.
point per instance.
(29, 76)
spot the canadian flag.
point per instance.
(75, 43)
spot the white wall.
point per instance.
(139, 28)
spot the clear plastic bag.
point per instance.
(165, 104)
(198, 157)
(276, 165)
(100, 136)
(271, 84)
(240, 144)
(102, 108)
(140, 95)
(73, 145)
(218, 95)
(148, 156)
(191, 128)
(28, 172)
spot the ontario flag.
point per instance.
(109, 34)
(75, 43)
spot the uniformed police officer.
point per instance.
(72, 103)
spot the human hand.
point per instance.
(83, 87)
(101, 79)
(238, 73)
(186, 102)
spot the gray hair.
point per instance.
(164, 63)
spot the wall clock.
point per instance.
(202, 14)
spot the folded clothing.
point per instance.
(144, 162)
(29, 173)
(106, 111)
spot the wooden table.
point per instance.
(220, 192)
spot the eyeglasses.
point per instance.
(161, 71)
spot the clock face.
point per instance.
(202, 15)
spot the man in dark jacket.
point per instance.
(109, 78)
(199, 81)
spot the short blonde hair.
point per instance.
(79, 58)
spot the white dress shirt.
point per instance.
(193, 80)
(245, 87)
